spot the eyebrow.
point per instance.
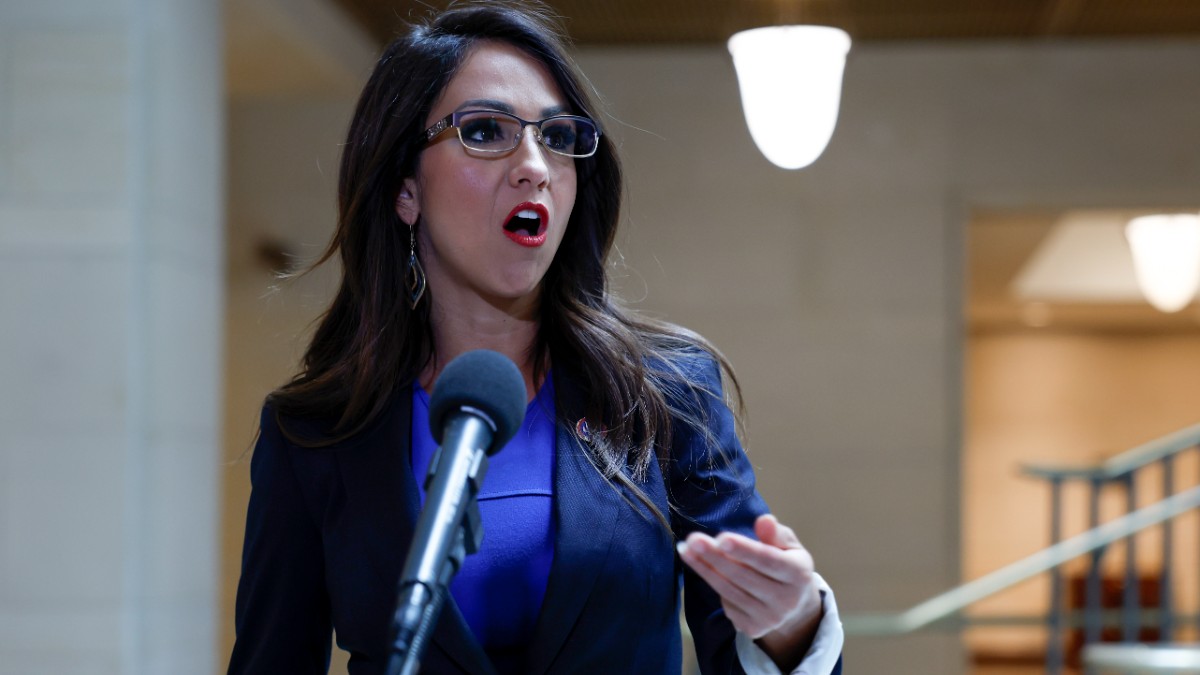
(492, 104)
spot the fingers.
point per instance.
(729, 579)
(739, 557)
(769, 530)
(742, 561)
(755, 603)
(763, 584)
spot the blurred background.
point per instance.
(944, 296)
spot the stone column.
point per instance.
(111, 261)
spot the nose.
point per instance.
(529, 160)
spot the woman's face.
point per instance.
(475, 237)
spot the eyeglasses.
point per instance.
(497, 132)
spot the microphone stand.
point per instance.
(451, 528)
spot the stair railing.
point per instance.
(1121, 471)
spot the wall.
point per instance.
(111, 271)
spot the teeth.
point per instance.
(526, 220)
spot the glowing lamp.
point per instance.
(790, 79)
(1166, 258)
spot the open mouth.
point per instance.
(526, 225)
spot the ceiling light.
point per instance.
(790, 78)
(1166, 258)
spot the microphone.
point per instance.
(480, 383)
(478, 403)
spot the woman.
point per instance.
(478, 201)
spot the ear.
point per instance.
(408, 206)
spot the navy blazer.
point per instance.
(328, 529)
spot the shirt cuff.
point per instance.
(821, 657)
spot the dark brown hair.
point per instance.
(369, 343)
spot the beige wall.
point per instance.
(111, 305)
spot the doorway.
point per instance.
(1065, 364)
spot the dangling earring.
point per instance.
(414, 274)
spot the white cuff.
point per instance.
(822, 656)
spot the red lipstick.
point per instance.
(526, 224)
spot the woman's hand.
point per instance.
(766, 586)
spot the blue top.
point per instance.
(500, 588)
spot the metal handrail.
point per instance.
(1153, 451)
(1127, 462)
(955, 600)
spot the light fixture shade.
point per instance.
(791, 83)
(1166, 258)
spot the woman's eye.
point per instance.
(485, 131)
(559, 136)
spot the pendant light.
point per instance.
(790, 78)
(1166, 258)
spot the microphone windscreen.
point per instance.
(482, 379)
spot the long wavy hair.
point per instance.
(370, 344)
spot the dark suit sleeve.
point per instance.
(711, 483)
(283, 616)
(711, 487)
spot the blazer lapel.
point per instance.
(380, 470)
(585, 513)
(377, 475)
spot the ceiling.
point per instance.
(1067, 270)
(639, 22)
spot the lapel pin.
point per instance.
(582, 431)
